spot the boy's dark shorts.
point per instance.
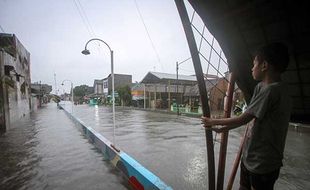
(257, 181)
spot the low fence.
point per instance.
(138, 176)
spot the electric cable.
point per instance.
(148, 34)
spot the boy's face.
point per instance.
(257, 69)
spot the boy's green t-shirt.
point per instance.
(265, 139)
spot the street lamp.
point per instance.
(71, 93)
(87, 52)
(177, 68)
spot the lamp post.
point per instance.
(87, 52)
(72, 96)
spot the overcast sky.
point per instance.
(55, 33)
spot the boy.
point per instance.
(268, 114)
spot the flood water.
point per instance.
(47, 152)
(174, 148)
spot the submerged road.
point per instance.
(174, 148)
(46, 151)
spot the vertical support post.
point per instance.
(144, 98)
(177, 95)
(169, 97)
(155, 98)
(113, 97)
(72, 96)
(224, 135)
(149, 99)
(202, 87)
(236, 162)
(41, 95)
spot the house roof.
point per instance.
(242, 26)
(157, 77)
(194, 90)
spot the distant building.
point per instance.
(137, 93)
(40, 92)
(164, 89)
(15, 83)
(41, 89)
(98, 86)
(104, 86)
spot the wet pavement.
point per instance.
(47, 152)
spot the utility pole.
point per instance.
(177, 68)
(55, 84)
(40, 96)
(176, 100)
(144, 98)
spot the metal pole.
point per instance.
(72, 98)
(224, 135)
(86, 52)
(169, 100)
(236, 162)
(113, 97)
(144, 102)
(176, 99)
(155, 92)
(202, 87)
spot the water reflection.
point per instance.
(46, 151)
(174, 148)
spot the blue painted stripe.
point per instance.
(119, 159)
(147, 178)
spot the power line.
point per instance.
(83, 18)
(86, 18)
(148, 34)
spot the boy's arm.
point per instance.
(226, 123)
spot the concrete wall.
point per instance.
(4, 106)
(15, 60)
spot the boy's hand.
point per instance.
(209, 124)
(206, 121)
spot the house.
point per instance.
(40, 94)
(15, 83)
(98, 86)
(164, 89)
(104, 86)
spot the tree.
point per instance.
(81, 91)
(124, 94)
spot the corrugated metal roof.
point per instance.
(173, 76)
(165, 78)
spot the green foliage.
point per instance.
(124, 94)
(81, 91)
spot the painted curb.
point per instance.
(138, 176)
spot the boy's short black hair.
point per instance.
(275, 54)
